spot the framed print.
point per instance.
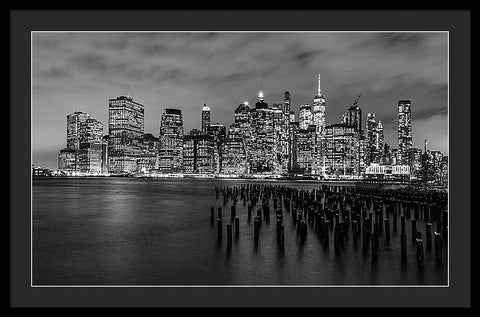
(240, 158)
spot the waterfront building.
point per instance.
(342, 153)
(67, 160)
(404, 130)
(234, 157)
(388, 171)
(280, 144)
(125, 130)
(74, 122)
(374, 140)
(205, 118)
(306, 141)
(415, 159)
(218, 133)
(86, 152)
(305, 116)
(262, 154)
(294, 129)
(198, 153)
(318, 111)
(285, 136)
(170, 148)
(147, 160)
(92, 157)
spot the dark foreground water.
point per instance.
(124, 231)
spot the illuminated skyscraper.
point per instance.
(404, 131)
(198, 153)
(86, 150)
(170, 151)
(305, 116)
(218, 133)
(262, 154)
(125, 130)
(205, 118)
(318, 111)
(306, 141)
(74, 121)
(342, 149)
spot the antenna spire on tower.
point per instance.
(319, 90)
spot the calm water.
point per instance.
(124, 231)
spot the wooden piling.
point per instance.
(414, 229)
(438, 246)
(281, 240)
(229, 234)
(219, 229)
(237, 226)
(387, 231)
(403, 246)
(428, 234)
(420, 255)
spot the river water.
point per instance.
(133, 231)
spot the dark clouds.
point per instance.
(81, 71)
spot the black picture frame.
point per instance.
(457, 23)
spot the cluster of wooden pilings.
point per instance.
(364, 215)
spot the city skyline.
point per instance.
(429, 118)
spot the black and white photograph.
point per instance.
(221, 158)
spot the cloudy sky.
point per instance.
(81, 71)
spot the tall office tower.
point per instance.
(262, 156)
(218, 133)
(74, 121)
(353, 116)
(305, 116)
(198, 153)
(319, 120)
(86, 150)
(91, 131)
(285, 140)
(92, 148)
(415, 159)
(147, 160)
(318, 110)
(205, 118)
(279, 136)
(404, 131)
(234, 157)
(170, 150)
(380, 139)
(305, 150)
(370, 137)
(342, 149)
(294, 129)
(125, 130)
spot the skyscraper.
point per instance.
(305, 116)
(262, 155)
(86, 150)
(205, 118)
(305, 157)
(125, 130)
(198, 150)
(404, 131)
(318, 110)
(218, 133)
(170, 151)
(74, 121)
(342, 149)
